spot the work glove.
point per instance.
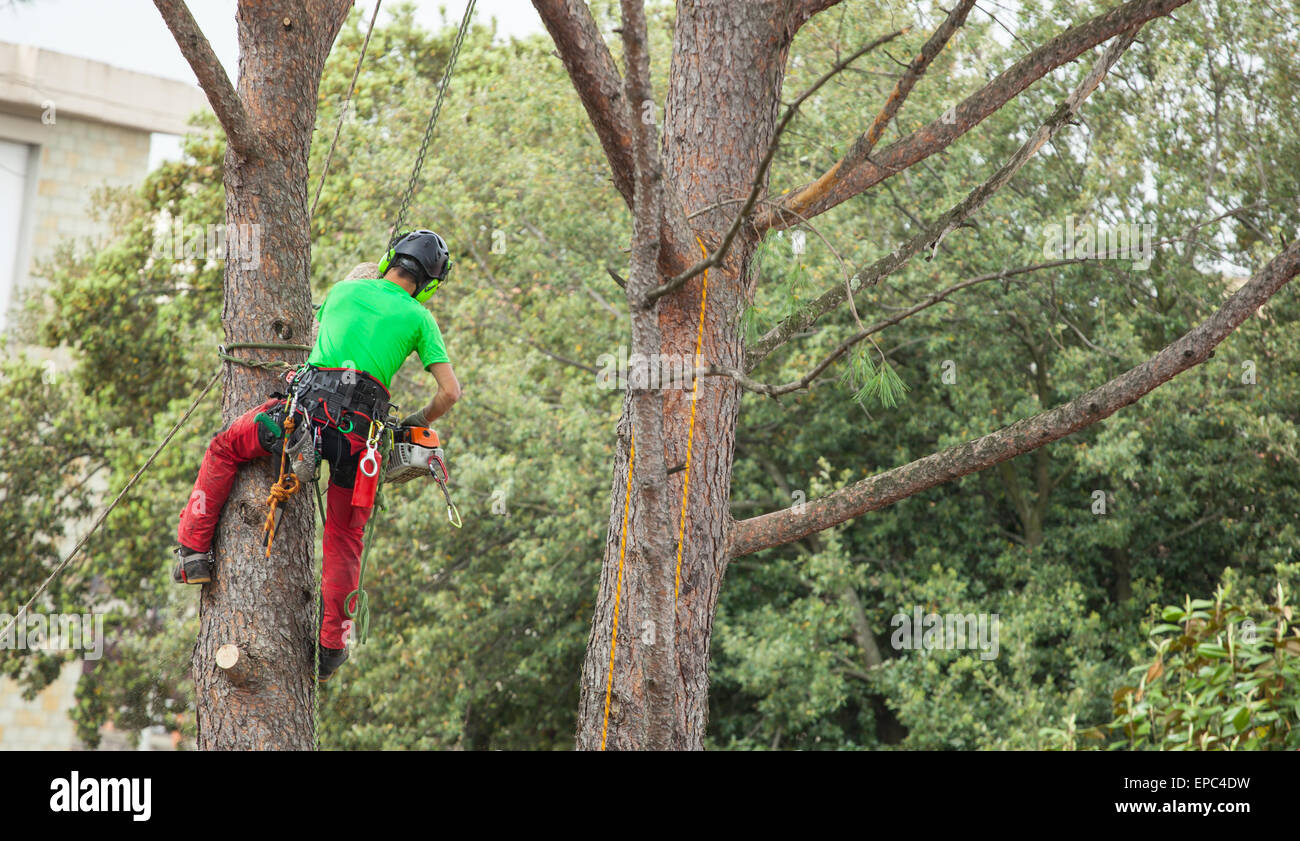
(415, 419)
(270, 427)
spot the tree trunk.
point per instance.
(724, 86)
(265, 605)
(726, 57)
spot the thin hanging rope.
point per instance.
(85, 538)
(347, 101)
(104, 514)
(433, 121)
(618, 590)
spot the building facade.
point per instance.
(68, 126)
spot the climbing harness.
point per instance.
(343, 398)
(337, 397)
(340, 398)
(627, 499)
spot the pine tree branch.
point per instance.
(846, 182)
(596, 79)
(884, 489)
(223, 97)
(933, 234)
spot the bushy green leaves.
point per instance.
(1226, 676)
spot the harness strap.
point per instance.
(327, 397)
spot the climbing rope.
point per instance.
(433, 121)
(627, 500)
(255, 363)
(618, 588)
(283, 488)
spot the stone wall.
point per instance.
(78, 157)
(43, 723)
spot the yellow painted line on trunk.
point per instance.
(618, 590)
(690, 435)
(627, 500)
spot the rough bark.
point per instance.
(726, 57)
(283, 46)
(652, 551)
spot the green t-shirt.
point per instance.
(372, 326)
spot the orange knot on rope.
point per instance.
(283, 488)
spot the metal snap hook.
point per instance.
(370, 459)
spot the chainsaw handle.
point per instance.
(424, 436)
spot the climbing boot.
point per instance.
(330, 660)
(192, 567)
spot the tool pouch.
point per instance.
(363, 490)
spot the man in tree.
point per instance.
(368, 327)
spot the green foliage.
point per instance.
(478, 634)
(870, 379)
(1221, 679)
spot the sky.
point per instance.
(130, 33)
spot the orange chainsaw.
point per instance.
(418, 452)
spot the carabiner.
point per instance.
(439, 479)
(374, 463)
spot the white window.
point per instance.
(13, 194)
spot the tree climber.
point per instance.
(368, 327)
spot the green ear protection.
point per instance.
(422, 251)
(386, 261)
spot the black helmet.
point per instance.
(422, 253)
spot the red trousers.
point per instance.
(344, 523)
